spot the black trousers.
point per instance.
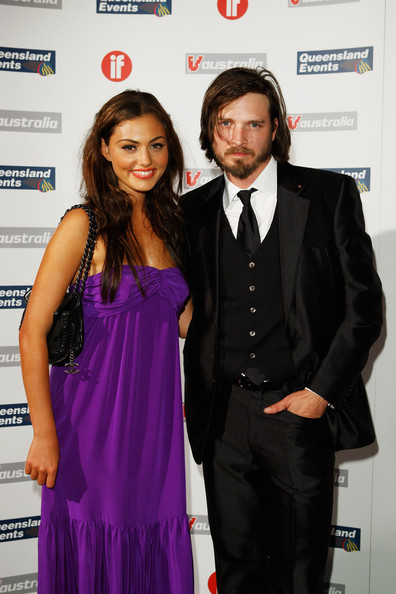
(269, 487)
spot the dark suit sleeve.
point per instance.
(360, 327)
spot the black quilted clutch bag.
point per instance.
(65, 339)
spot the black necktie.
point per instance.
(248, 232)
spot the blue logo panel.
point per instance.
(14, 415)
(12, 297)
(336, 61)
(345, 537)
(158, 8)
(19, 528)
(361, 175)
(15, 177)
(34, 61)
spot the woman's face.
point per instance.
(138, 152)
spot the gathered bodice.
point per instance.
(169, 283)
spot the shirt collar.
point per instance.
(266, 183)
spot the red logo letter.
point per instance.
(193, 66)
(293, 125)
(192, 180)
(192, 522)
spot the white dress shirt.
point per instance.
(263, 201)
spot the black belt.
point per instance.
(264, 386)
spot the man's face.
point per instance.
(243, 138)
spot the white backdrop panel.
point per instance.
(271, 31)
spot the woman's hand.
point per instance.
(43, 459)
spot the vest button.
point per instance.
(253, 310)
(252, 288)
(252, 264)
(252, 333)
(252, 355)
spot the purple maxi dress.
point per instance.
(116, 521)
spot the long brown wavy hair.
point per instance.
(113, 207)
(233, 84)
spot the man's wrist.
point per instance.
(316, 394)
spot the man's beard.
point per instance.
(239, 169)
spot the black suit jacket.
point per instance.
(331, 297)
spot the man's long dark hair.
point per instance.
(233, 84)
(113, 207)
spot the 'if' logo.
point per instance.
(116, 66)
(232, 9)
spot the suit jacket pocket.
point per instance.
(352, 426)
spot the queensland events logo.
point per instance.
(199, 525)
(13, 472)
(305, 3)
(345, 537)
(27, 582)
(57, 4)
(14, 415)
(354, 59)
(19, 528)
(30, 121)
(195, 178)
(15, 177)
(216, 63)
(323, 122)
(361, 175)
(25, 237)
(116, 66)
(159, 8)
(15, 59)
(12, 297)
(232, 9)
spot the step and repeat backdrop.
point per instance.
(60, 60)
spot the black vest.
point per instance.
(252, 328)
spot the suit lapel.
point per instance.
(292, 215)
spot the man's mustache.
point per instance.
(239, 149)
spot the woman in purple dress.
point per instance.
(108, 442)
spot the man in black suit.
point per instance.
(286, 306)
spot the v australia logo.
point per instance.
(194, 63)
(191, 179)
(194, 178)
(293, 122)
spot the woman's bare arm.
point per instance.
(57, 270)
(185, 319)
